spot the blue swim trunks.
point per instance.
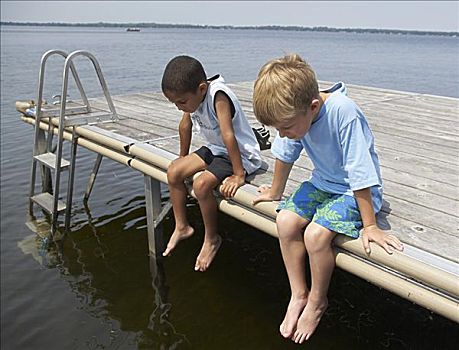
(337, 212)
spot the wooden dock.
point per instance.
(417, 142)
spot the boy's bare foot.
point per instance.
(309, 319)
(176, 237)
(207, 254)
(295, 306)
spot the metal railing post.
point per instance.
(153, 210)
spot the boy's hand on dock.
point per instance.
(231, 184)
(265, 195)
(373, 233)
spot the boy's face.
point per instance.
(295, 128)
(188, 101)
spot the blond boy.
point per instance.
(342, 195)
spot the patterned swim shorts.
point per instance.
(337, 212)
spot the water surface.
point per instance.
(99, 290)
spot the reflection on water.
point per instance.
(37, 244)
(89, 266)
(76, 261)
(237, 304)
(161, 332)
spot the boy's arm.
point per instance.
(223, 109)
(371, 231)
(185, 127)
(274, 193)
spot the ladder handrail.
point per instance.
(38, 113)
(67, 65)
(39, 146)
(41, 81)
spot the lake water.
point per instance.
(98, 288)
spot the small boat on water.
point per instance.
(133, 30)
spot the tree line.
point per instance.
(205, 26)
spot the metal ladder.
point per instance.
(69, 117)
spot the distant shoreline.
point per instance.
(229, 27)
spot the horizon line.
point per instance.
(212, 26)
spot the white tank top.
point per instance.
(205, 121)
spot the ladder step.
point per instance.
(49, 160)
(88, 118)
(46, 201)
(54, 111)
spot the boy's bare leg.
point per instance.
(203, 187)
(177, 172)
(290, 228)
(318, 241)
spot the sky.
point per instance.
(406, 15)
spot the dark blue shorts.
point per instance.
(220, 166)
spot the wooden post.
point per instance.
(153, 208)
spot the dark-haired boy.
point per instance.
(231, 153)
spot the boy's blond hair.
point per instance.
(284, 88)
